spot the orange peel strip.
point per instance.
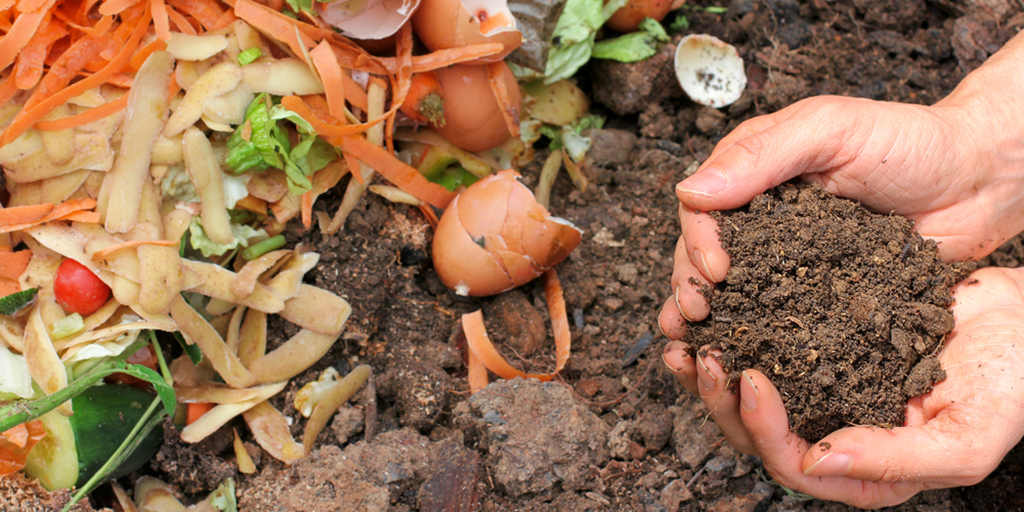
(480, 345)
(496, 76)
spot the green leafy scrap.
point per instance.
(573, 38)
(680, 24)
(249, 56)
(269, 145)
(634, 47)
(11, 304)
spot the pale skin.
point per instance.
(957, 170)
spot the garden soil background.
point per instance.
(615, 432)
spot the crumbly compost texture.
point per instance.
(843, 309)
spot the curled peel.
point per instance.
(495, 236)
(483, 356)
(367, 19)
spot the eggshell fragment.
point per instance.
(628, 17)
(367, 19)
(472, 119)
(494, 236)
(445, 24)
(710, 70)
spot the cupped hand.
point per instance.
(954, 435)
(934, 165)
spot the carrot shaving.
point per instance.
(180, 22)
(224, 20)
(21, 32)
(355, 94)
(23, 217)
(25, 120)
(83, 118)
(306, 207)
(496, 76)
(107, 251)
(206, 12)
(444, 58)
(430, 214)
(325, 129)
(481, 347)
(9, 286)
(197, 410)
(397, 172)
(8, 88)
(90, 217)
(15, 444)
(355, 167)
(111, 7)
(326, 64)
(144, 52)
(281, 27)
(13, 264)
(29, 69)
(33, 5)
(477, 374)
(161, 23)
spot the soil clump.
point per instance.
(843, 309)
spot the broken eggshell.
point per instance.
(474, 122)
(447, 24)
(367, 19)
(494, 236)
(710, 70)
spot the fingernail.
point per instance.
(704, 375)
(679, 306)
(698, 257)
(832, 464)
(748, 393)
(708, 182)
(673, 348)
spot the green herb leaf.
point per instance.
(163, 390)
(633, 47)
(249, 56)
(573, 38)
(15, 302)
(681, 23)
(191, 349)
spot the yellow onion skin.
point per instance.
(472, 118)
(494, 236)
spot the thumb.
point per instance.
(765, 152)
(958, 447)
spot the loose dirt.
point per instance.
(842, 308)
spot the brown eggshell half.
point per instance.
(472, 116)
(516, 232)
(627, 19)
(461, 264)
(445, 24)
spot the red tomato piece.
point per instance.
(77, 289)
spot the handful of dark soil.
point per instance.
(843, 309)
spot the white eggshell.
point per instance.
(710, 70)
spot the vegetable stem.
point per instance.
(259, 249)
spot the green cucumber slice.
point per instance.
(75, 448)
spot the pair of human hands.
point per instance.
(954, 169)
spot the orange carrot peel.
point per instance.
(16, 443)
(484, 356)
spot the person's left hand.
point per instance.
(953, 436)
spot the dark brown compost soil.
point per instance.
(843, 309)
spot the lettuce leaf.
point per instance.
(269, 145)
(634, 47)
(244, 235)
(573, 38)
(14, 375)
